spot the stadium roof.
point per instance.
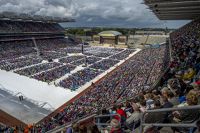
(175, 9)
(109, 33)
(35, 18)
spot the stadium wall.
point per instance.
(9, 120)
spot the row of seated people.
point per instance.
(102, 52)
(70, 50)
(122, 55)
(37, 68)
(107, 91)
(86, 61)
(52, 75)
(50, 55)
(104, 55)
(105, 64)
(112, 53)
(20, 26)
(79, 78)
(71, 58)
(18, 63)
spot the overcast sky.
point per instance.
(106, 13)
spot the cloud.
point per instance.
(89, 12)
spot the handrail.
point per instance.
(168, 124)
(100, 125)
(174, 109)
(60, 128)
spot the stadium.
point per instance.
(50, 82)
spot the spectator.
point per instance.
(132, 122)
(120, 112)
(158, 117)
(128, 109)
(149, 101)
(187, 116)
(172, 99)
(82, 129)
(93, 129)
(165, 103)
(115, 126)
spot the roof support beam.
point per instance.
(180, 9)
(166, 2)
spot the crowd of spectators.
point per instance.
(71, 59)
(18, 63)
(21, 56)
(50, 55)
(21, 26)
(79, 62)
(107, 92)
(122, 55)
(104, 64)
(52, 44)
(101, 52)
(179, 87)
(37, 68)
(86, 61)
(51, 75)
(79, 78)
(15, 49)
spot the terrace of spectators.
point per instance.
(180, 84)
(20, 57)
(182, 79)
(184, 67)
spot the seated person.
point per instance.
(157, 117)
(187, 116)
(133, 121)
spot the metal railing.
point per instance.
(188, 125)
(100, 117)
(65, 126)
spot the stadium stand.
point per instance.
(158, 87)
(25, 45)
(178, 88)
(113, 87)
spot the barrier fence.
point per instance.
(186, 125)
